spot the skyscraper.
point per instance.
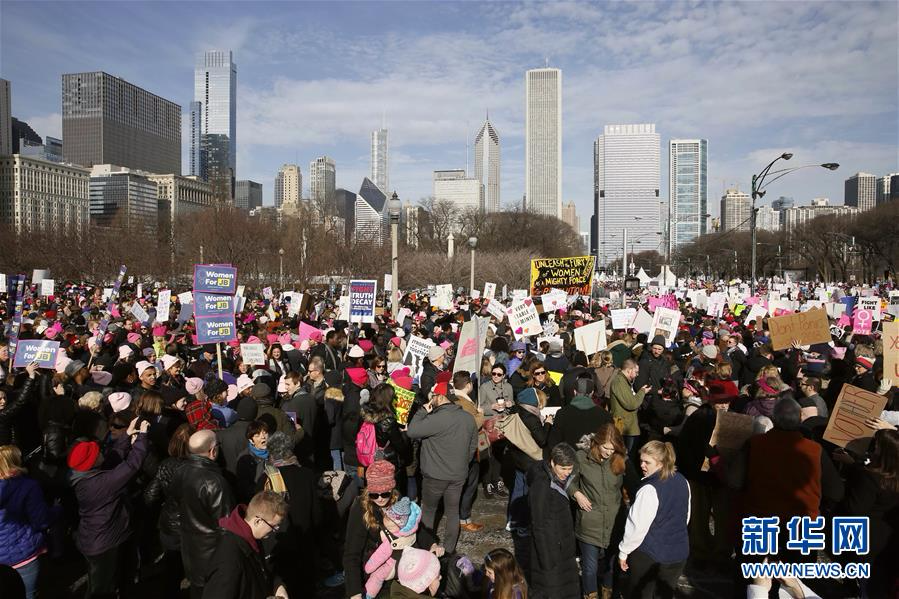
(688, 181)
(543, 141)
(215, 90)
(884, 189)
(123, 198)
(323, 180)
(626, 189)
(487, 164)
(466, 194)
(106, 120)
(569, 217)
(5, 119)
(736, 206)
(197, 166)
(247, 195)
(36, 195)
(380, 163)
(860, 191)
(288, 185)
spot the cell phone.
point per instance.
(292, 416)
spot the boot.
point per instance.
(606, 592)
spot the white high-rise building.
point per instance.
(5, 119)
(543, 141)
(626, 190)
(800, 215)
(466, 194)
(214, 150)
(736, 208)
(767, 219)
(883, 188)
(487, 164)
(288, 185)
(380, 160)
(36, 195)
(860, 190)
(322, 179)
(688, 181)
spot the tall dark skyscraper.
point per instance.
(106, 120)
(213, 114)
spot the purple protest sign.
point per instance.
(214, 329)
(215, 278)
(17, 318)
(36, 350)
(213, 305)
(111, 305)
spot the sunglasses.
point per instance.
(496, 373)
(539, 372)
(380, 495)
(274, 528)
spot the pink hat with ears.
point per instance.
(159, 331)
(284, 339)
(62, 360)
(254, 339)
(133, 338)
(234, 343)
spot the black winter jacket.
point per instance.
(160, 490)
(554, 569)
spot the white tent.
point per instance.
(644, 278)
(666, 278)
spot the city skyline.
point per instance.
(834, 99)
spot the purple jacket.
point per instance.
(23, 518)
(105, 523)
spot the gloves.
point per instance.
(885, 386)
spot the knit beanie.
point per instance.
(399, 511)
(83, 455)
(417, 569)
(101, 377)
(862, 361)
(435, 352)
(119, 401)
(193, 385)
(359, 376)
(247, 409)
(379, 478)
(74, 367)
(528, 397)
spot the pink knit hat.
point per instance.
(193, 385)
(417, 569)
(119, 401)
(134, 338)
(379, 477)
(358, 375)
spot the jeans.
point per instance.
(470, 492)
(336, 459)
(110, 571)
(432, 491)
(29, 574)
(632, 442)
(595, 561)
(648, 576)
(519, 513)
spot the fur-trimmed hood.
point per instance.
(335, 393)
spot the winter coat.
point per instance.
(604, 490)
(489, 392)
(350, 421)
(580, 417)
(160, 489)
(23, 519)
(624, 403)
(233, 442)
(653, 371)
(104, 520)
(394, 445)
(303, 405)
(282, 422)
(553, 395)
(539, 432)
(865, 497)
(250, 468)
(14, 406)
(333, 402)
(661, 413)
(237, 566)
(554, 570)
(602, 377)
(203, 497)
(449, 441)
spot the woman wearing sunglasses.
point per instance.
(365, 524)
(495, 397)
(539, 379)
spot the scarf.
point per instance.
(259, 453)
(532, 409)
(291, 461)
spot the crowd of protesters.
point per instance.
(143, 451)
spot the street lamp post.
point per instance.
(758, 191)
(393, 210)
(201, 254)
(281, 268)
(472, 243)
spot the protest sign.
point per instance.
(642, 321)
(523, 318)
(402, 402)
(861, 322)
(187, 310)
(573, 275)
(296, 300)
(489, 290)
(47, 287)
(591, 338)
(388, 282)
(872, 305)
(756, 313)
(519, 294)
(215, 278)
(469, 350)
(505, 292)
(402, 314)
(623, 318)
(163, 303)
(2, 281)
(239, 303)
(665, 322)
(553, 300)
(267, 293)
(807, 328)
(213, 304)
(240, 290)
(782, 307)
(891, 351)
(362, 300)
(496, 310)
(139, 313)
(846, 426)
(216, 329)
(443, 297)
(307, 331)
(343, 308)
(732, 430)
(38, 275)
(836, 332)
(416, 351)
(664, 301)
(253, 353)
(36, 350)
(186, 298)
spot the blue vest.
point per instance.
(667, 541)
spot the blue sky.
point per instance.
(756, 79)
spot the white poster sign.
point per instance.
(623, 318)
(163, 303)
(139, 313)
(591, 338)
(253, 353)
(489, 290)
(416, 352)
(496, 310)
(523, 318)
(443, 297)
(665, 322)
(47, 287)
(642, 321)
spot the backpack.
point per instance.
(366, 444)
(274, 481)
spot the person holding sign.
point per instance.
(10, 409)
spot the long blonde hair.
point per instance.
(10, 461)
(370, 517)
(662, 453)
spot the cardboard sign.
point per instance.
(469, 350)
(642, 322)
(573, 275)
(861, 323)
(591, 338)
(213, 305)
(554, 300)
(215, 329)
(496, 310)
(623, 318)
(489, 291)
(362, 300)
(47, 287)
(253, 353)
(523, 318)
(163, 304)
(846, 426)
(416, 351)
(443, 297)
(808, 328)
(665, 322)
(215, 278)
(891, 351)
(872, 305)
(139, 313)
(402, 402)
(36, 350)
(731, 431)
